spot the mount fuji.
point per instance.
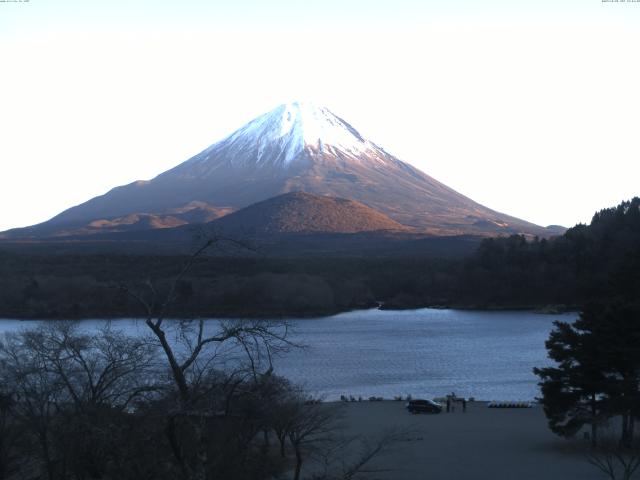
(297, 147)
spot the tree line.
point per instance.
(589, 261)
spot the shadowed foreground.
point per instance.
(483, 443)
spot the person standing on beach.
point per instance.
(448, 404)
(464, 405)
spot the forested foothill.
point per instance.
(602, 258)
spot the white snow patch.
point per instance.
(281, 135)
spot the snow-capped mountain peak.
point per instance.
(281, 135)
(297, 147)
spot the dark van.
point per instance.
(423, 406)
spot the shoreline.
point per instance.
(233, 315)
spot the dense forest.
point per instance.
(602, 258)
(597, 260)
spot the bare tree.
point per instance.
(104, 368)
(10, 434)
(36, 392)
(316, 434)
(71, 389)
(283, 411)
(192, 348)
(347, 458)
(616, 459)
(311, 425)
(258, 338)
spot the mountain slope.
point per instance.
(193, 212)
(298, 147)
(291, 225)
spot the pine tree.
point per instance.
(573, 393)
(598, 370)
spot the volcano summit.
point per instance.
(295, 147)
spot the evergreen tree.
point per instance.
(598, 370)
(573, 392)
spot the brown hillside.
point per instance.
(299, 212)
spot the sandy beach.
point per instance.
(483, 443)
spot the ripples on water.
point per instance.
(486, 355)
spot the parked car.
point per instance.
(423, 406)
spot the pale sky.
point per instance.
(531, 108)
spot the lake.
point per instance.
(426, 352)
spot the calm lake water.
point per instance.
(426, 352)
